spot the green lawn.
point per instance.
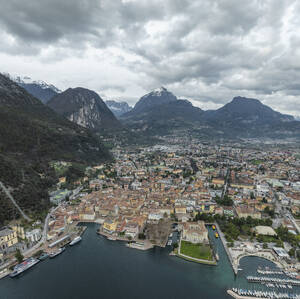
(199, 251)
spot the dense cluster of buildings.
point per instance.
(147, 185)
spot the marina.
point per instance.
(98, 258)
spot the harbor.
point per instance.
(96, 259)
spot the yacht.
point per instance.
(56, 253)
(75, 240)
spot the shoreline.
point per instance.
(194, 260)
(135, 244)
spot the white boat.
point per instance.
(75, 240)
(27, 264)
(56, 253)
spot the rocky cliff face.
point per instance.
(85, 108)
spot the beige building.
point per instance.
(20, 231)
(218, 182)
(195, 232)
(245, 211)
(110, 226)
(180, 210)
(265, 230)
(8, 238)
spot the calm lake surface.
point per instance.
(99, 268)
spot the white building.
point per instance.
(34, 235)
(155, 216)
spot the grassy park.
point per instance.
(198, 251)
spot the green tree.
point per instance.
(292, 252)
(142, 236)
(19, 256)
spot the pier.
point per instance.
(273, 280)
(249, 294)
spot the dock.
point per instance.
(236, 296)
(140, 245)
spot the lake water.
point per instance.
(99, 268)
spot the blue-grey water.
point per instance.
(99, 268)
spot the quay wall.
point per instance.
(222, 237)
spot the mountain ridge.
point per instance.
(241, 117)
(38, 88)
(31, 136)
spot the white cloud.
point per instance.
(207, 51)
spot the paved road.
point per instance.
(226, 184)
(14, 202)
(44, 235)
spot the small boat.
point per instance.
(75, 240)
(216, 235)
(43, 256)
(213, 227)
(56, 253)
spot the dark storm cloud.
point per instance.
(208, 50)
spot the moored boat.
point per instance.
(22, 267)
(56, 253)
(43, 256)
(75, 240)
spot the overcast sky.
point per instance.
(207, 51)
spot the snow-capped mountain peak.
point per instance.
(38, 88)
(159, 91)
(29, 80)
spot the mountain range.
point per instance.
(31, 136)
(160, 112)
